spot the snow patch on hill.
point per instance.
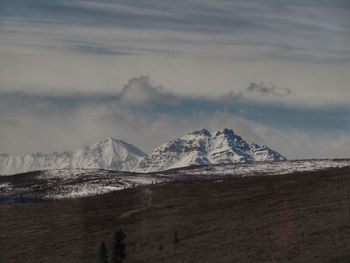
(75, 183)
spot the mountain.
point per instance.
(107, 154)
(196, 148)
(202, 147)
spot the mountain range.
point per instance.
(196, 148)
(202, 147)
(107, 154)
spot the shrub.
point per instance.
(118, 247)
(102, 253)
(176, 238)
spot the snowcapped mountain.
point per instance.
(107, 154)
(202, 147)
(196, 148)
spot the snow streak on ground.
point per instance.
(86, 182)
(262, 168)
(74, 183)
(4, 187)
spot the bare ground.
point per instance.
(290, 218)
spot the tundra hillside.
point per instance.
(302, 217)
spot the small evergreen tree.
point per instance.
(176, 238)
(102, 253)
(160, 248)
(118, 247)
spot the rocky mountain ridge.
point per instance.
(195, 148)
(202, 147)
(109, 154)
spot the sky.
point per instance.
(75, 72)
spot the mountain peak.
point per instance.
(121, 145)
(111, 140)
(195, 149)
(201, 132)
(226, 131)
(109, 153)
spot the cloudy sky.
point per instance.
(75, 72)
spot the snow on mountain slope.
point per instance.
(12, 164)
(107, 154)
(201, 147)
(196, 148)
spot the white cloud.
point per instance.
(139, 91)
(256, 91)
(206, 50)
(32, 127)
(293, 143)
(58, 59)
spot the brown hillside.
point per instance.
(290, 218)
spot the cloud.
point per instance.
(302, 30)
(256, 91)
(298, 44)
(140, 92)
(56, 125)
(263, 90)
(99, 50)
(47, 57)
(292, 143)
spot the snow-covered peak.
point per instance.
(111, 146)
(109, 153)
(196, 148)
(204, 132)
(202, 147)
(229, 137)
(226, 132)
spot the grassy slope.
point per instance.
(294, 218)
